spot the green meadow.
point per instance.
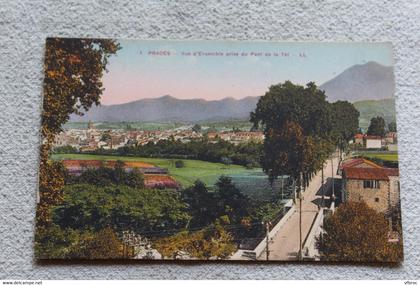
(388, 156)
(208, 172)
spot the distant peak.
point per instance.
(370, 64)
(228, 99)
(167, 97)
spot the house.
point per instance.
(358, 139)
(373, 142)
(391, 138)
(212, 135)
(378, 187)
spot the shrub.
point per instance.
(179, 164)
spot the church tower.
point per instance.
(90, 125)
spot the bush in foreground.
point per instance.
(356, 232)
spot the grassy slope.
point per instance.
(372, 108)
(208, 172)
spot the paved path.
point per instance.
(285, 244)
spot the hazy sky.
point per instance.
(135, 73)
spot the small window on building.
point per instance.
(371, 184)
(376, 199)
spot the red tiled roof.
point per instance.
(358, 136)
(373, 137)
(370, 173)
(356, 161)
(392, 171)
(391, 134)
(365, 173)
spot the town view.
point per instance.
(159, 150)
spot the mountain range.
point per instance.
(370, 81)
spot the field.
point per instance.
(208, 172)
(388, 156)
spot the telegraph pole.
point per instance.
(300, 216)
(332, 175)
(300, 225)
(267, 232)
(322, 185)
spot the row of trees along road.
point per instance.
(301, 131)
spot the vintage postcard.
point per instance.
(207, 150)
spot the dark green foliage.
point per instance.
(392, 127)
(179, 164)
(196, 128)
(306, 106)
(267, 212)
(376, 127)
(297, 123)
(202, 205)
(246, 154)
(345, 122)
(65, 149)
(105, 176)
(230, 200)
(54, 242)
(145, 211)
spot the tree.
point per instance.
(104, 245)
(345, 122)
(297, 125)
(54, 242)
(65, 149)
(196, 128)
(356, 232)
(51, 182)
(231, 202)
(376, 127)
(73, 70)
(134, 179)
(392, 127)
(148, 212)
(201, 204)
(179, 164)
(212, 242)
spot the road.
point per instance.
(285, 244)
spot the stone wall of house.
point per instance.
(394, 190)
(356, 192)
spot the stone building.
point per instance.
(378, 187)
